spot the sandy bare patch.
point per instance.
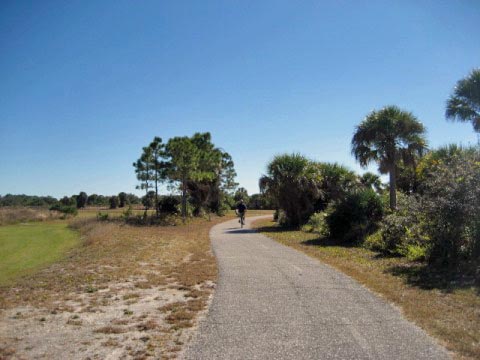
(121, 321)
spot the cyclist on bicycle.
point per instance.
(241, 210)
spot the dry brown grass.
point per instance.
(111, 330)
(115, 252)
(14, 215)
(446, 305)
(152, 259)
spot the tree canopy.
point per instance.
(386, 137)
(464, 104)
(194, 166)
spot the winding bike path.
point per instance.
(273, 302)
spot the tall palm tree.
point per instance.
(387, 136)
(464, 104)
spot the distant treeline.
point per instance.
(79, 201)
(255, 201)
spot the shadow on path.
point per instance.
(241, 231)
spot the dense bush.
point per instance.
(282, 219)
(401, 232)
(169, 204)
(102, 216)
(442, 224)
(223, 208)
(65, 209)
(355, 217)
(317, 224)
(451, 205)
(293, 181)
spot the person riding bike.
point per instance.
(241, 210)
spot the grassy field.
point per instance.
(445, 304)
(135, 291)
(25, 248)
(126, 289)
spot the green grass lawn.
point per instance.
(27, 247)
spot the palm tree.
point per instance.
(371, 181)
(293, 183)
(464, 104)
(386, 137)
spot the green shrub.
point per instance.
(102, 216)
(223, 208)
(414, 252)
(401, 231)
(169, 204)
(65, 209)
(317, 224)
(355, 217)
(127, 214)
(375, 241)
(451, 205)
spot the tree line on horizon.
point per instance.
(431, 210)
(77, 201)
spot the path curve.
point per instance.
(273, 302)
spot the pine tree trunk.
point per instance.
(184, 200)
(156, 196)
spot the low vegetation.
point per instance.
(25, 248)
(436, 220)
(443, 302)
(15, 215)
(137, 289)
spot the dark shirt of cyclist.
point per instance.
(241, 207)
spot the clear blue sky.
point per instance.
(85, 84)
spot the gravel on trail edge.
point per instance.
(273, 302)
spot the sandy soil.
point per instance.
(121, 321)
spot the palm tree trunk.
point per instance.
(393, 187)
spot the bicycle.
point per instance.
(241, 215)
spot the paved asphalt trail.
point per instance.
(273, 302)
